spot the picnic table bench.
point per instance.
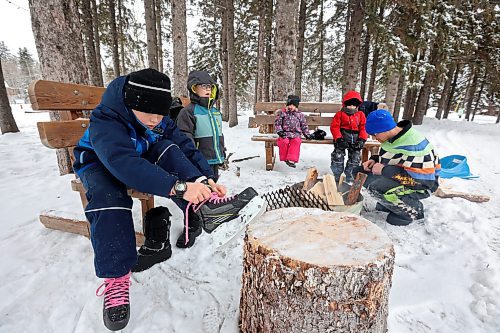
(316, 113)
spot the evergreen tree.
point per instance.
(27, 65)
(204, 50)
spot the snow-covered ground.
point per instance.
(446, 278)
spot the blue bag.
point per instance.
(455, 166)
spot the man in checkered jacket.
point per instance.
(405, 171)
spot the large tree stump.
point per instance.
(308, 270)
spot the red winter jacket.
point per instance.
(355, 122)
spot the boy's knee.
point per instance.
(337, 156)
(110, 198)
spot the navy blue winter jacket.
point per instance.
(118, 140)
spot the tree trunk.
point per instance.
(223, 44)
(375, 56)
(121, 36)
(150, 17)
(447, 107)
(266, 97)
(7, 121)
(399, 97)
(351, 70)
(435, 58)
(59, 43)
(364, 63)
(446, 90)
(286, 48)
(97, 41)
(88, 32)
(261, 52)
(300, 47)
(471, 93)
(373, 72)
(179, 38)
(346, 39)
(410, 98)
(478, 100)
(114, 37)
(159, 39)
(290, 290)
(321, 52)
(411, 92)
(491, 105)
(391, 90)
(423, 97)
(231, 68)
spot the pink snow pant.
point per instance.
(289, 149)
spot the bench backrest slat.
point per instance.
(61, 134)
(311, 120)
(54, 96)
(317, 107)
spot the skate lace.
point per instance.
(115, 291)
(214, 198)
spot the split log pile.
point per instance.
(328, 189)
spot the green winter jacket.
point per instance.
(202, 122)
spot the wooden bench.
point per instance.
(70, 101)
(317, 114)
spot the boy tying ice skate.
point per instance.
(130, 143)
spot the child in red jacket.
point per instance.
(348, 130)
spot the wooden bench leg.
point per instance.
(84, 200)
(364, 155)
(146, 204)
(269, 155)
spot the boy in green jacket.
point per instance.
(405, 171)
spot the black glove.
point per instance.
(281, 134)
(359, 144)
(308, 137)
(341, 143)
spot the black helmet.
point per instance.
(318, 135)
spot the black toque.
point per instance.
(148, 91)
(293, 100)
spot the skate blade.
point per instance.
(229, 231)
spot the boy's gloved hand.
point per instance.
(281, 134)
(359, 144)
(308, 137)
(341, 143)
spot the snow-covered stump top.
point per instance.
(309, 270)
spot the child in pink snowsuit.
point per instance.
(290, 124)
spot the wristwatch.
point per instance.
(205, 181)
(180, 188)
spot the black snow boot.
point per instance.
(398, 220)
(194, 231)
(156, 246)
(381, 208)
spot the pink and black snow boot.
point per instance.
(116, 307)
